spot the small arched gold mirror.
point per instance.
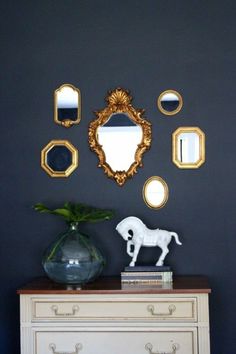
(155, 192)
(188, 147)
(119, 135)
(170, 102)
(67, 105)
(59, 158)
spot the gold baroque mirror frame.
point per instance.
(188, 147)
(59, 158)
(136, 132)
(155, 192)
(67, 105)
(170, 102)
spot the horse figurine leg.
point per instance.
(135, 254)
(128, 248)
(160, 261)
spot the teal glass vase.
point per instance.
(72, 258)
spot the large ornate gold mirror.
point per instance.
(119, 135)
(188, 147)
(155, 192)
(67, 105)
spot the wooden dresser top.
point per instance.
(112, 285)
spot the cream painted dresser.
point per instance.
(104, 318)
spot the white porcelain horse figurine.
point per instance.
(136, 233)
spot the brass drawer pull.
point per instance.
(171, 309)
(78, 347)
(75, 309)
(149, 347)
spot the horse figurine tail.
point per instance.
(176, 238)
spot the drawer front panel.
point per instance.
(173, 341)
(168, 309)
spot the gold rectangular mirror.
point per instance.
(188, 147)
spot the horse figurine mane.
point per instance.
(136, 233)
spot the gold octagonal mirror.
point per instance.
(119, 135)
(59, 158)
(188, 147)
(67, 105)
(155, 192)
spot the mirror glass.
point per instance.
(188, 148)
(59, 158)
(67, 105)
(119, 138)
(170, 102)
(155, 192)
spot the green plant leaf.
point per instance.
(67, 214)
(77, 212)
(41, 208)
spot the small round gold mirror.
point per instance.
(155, 192)
(170, 102)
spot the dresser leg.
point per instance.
(203, 340)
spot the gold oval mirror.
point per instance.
(120, 135)
(188, 147)
(67, 105)
(155, 192)
(170, 102)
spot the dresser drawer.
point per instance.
(163, 309)
(171, 341)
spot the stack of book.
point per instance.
(147, 275)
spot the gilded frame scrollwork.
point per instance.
(119, 101)
(67, 123)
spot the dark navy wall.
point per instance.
(146, 47)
